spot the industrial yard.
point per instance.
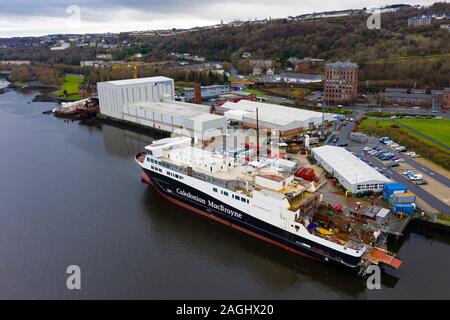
(151, 103)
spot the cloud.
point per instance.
(31, 17)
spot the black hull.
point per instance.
(168, 188)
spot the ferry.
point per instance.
(262, 198)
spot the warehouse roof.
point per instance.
(214, 86)
(342, 64)
(274, 113)
(138, 81)
(302, 76)
(348, 165)
(179, 109)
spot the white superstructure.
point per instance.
(352, 173)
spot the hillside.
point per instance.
(396, 52)
(395, 55)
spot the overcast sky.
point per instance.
(34, 17)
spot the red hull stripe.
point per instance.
(211, 216)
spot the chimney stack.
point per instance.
(197, 93)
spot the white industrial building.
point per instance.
(113, 95)
(287, 120)
(352, 173)
(180, 118)
(150, 102)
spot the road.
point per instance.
(399, 109)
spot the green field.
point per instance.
(255, 91)
(377, 122)
(436, 129)
(439, 130)
(71, 84)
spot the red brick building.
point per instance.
(307, 65)
(303, 66)
(446, 98)
(341, 82)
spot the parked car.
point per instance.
(414, 177)
(412, 154)
(407, 172)
(367, 149)
(400, 160)
(394, 164)
(421, 182)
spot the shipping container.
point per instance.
(393, 188)
(404, 198)
(403, 208)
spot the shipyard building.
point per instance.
(149, 102)
(113, 95)
(352, 173)
(288, 121)
(180, 118)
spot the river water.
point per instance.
(70, 194)
(3, 82)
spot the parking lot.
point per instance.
(433, 196)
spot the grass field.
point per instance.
(436, 129)
(377, 122)
(255, 91)
(292, 93)
(71, 84)
(439, 130)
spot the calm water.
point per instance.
(70, 194)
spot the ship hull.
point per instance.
(174, 191)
